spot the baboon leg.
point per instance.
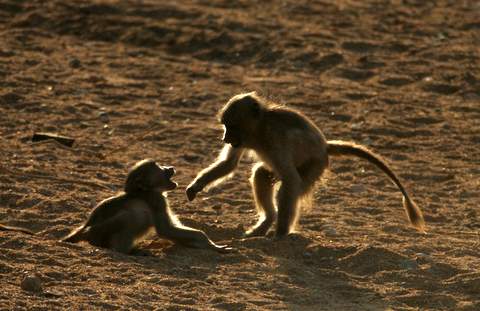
(292, 190)
(108, 234)
(288, 207)
(122, 242)
(262, 184)
(310, 172)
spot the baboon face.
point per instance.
(240, 118)
(148, 175)
(162, 178)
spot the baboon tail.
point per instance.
(10, 228)
(75, 236)
(338, 148)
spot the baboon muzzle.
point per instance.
(227, 139)
(170, 171)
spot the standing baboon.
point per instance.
(120, 221)
(291, 150)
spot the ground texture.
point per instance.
(136, 79)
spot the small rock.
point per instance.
(367, 141)
(32, 283)
(329, 231)
(357, 126)
(358, 188)
(75, 63)
(190, 158)
(409, 264)
(103, 115)
(217, 208)
(421, 258)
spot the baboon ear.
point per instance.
(136, 183)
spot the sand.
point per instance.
(143, 79)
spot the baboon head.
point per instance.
(147, 175)
(241, 117)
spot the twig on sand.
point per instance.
(56, 179)
(42, 136)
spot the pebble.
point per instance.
(421, 258)
(409, 264)
(75, 63)
(329, 231)
(358, 188)
(103, 115)
(357, 126)
(32, 283)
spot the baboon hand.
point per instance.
(192, 191)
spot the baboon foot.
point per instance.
(259, 229)
(140, 252)
(284, 235)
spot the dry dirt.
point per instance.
(136, 79)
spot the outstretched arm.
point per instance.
(225, 164)
(167, 226)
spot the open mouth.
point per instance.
(172, 185)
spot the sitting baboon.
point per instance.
(17, 229)
(291, 150)
(120, 221)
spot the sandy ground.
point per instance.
(136, 79)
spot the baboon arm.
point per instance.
(183, 235)
(163, 225)
(186, 236)
(225, 164)
(198, 239)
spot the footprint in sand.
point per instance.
(357, 75)
(441, 88)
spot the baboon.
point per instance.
(120, 221)
(291, 150)
(17, 229)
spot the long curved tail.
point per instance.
(17, 229)
(338, 147)
(75, 236)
